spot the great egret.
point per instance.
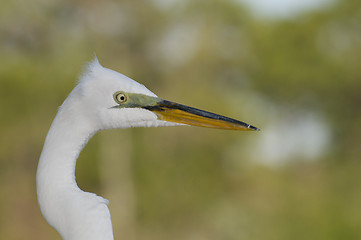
(103, 99)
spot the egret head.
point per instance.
(113, 100)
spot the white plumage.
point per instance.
(90, 107)
(86, 111)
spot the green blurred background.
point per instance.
(294, 73)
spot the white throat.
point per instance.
(75, 214)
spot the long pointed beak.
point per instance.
(174, 112)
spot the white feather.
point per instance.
(75, 214)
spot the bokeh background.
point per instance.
(291, 68)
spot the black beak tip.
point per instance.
(254, 128)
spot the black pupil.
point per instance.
(122, 98)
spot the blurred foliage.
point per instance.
(188, 183)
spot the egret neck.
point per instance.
(58, 193)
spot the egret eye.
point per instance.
(120, 97)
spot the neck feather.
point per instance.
(63, 144)
(73, 213)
